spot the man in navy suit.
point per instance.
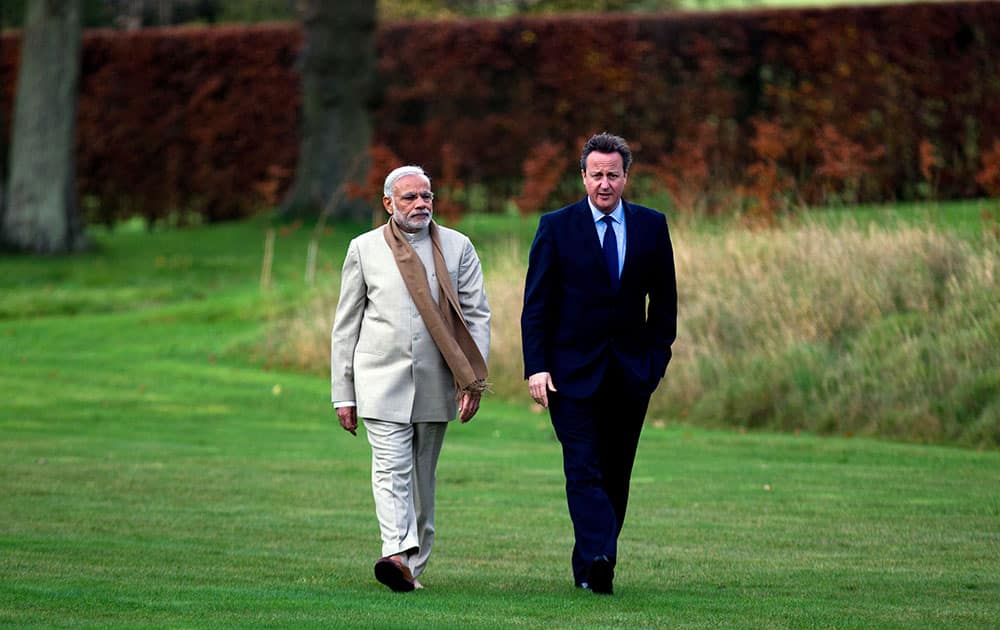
(599, 317)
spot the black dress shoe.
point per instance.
(601, 576)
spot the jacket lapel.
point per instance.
(585, 235)
(632, 237)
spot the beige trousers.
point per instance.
(404, 467)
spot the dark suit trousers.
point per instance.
(599, 435)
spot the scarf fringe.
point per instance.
(478, 387)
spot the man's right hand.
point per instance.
(540, 384)
(348, 419)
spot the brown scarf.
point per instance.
(447, 324)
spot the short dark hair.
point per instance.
(607, 143)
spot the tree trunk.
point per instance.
(3, 147)
(41, 215)
(337, 65)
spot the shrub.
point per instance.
(207, 119)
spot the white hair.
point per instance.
(402, 171)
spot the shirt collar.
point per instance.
(419, 235)
(618, 214)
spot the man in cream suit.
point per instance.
(409, 345)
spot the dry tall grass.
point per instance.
(847, 329)
(851, 330)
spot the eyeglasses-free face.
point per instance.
(410, 197)
(415, 208)
(605, 179)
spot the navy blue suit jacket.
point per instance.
(573, 324)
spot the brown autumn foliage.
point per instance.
(207, 119)
(930, 160)
(685, 171)
(845, 165)
(767, 187)
(989, 176)
(542, 171)
(449, 182)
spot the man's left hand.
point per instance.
(468, 406)
(348, 417)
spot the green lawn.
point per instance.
(152, 472)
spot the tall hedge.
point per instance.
(867, 103)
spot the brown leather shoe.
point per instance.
(394, 574)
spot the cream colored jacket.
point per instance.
(381, 354)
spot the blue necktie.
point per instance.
(611, 251)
